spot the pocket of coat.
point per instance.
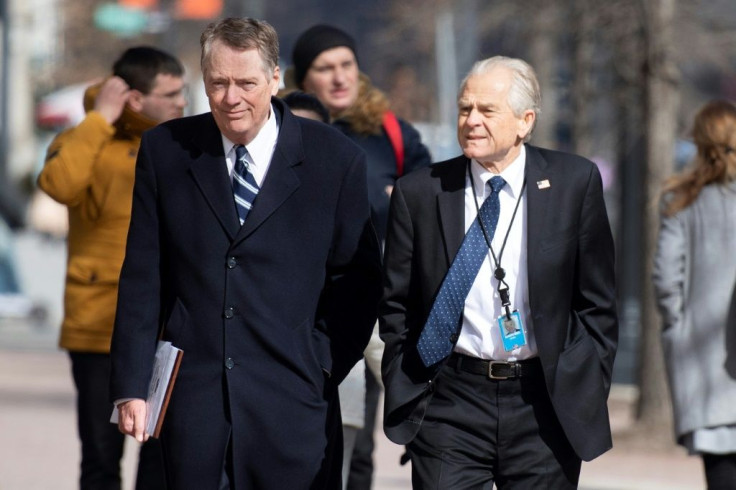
(176, 323)
(321, 343)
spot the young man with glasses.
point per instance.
(90, 168)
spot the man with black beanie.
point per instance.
(313, 42)
(325, 64)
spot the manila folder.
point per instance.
(165, 368)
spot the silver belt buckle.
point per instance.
(490, 369)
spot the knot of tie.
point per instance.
(240, 155)
(497, 184)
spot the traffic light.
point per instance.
(197, 9)
(139, 4)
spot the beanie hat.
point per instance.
(312, 43)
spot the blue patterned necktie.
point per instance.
(440, 332)
(245, 188)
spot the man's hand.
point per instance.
(111, 100)
(132, 419)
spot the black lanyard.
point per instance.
(498, 272)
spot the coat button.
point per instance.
(229, 313)
(232, 262)
(229, 363)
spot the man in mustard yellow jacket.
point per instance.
(90, 168)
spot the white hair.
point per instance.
(524, 93)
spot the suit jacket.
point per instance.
(570, 263)
(271, 315)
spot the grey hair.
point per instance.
(242, 33)
(524, 93)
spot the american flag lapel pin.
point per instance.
(543, 184)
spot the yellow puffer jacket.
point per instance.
(91, 168)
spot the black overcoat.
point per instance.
(271, 316)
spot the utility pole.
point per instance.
(4, 63)
(446, 65)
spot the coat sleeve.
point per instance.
(137, 319)
(594, 298)
(398, 275)
(71, 159)
(668, 272)
(349, 306)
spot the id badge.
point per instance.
(512, 331)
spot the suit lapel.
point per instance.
(451, 206)
(281, 181)
(210, 173)
(451, 203)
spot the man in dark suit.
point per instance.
(250, 245)
(499, 313)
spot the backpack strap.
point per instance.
(393, 130)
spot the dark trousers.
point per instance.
(478, 431)
(361, 463)
(102, 442)
(720, 471)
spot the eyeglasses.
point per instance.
(183, 93)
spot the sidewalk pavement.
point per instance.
(39, 448)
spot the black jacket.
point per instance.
(382, 168)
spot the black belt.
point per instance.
(494, 369)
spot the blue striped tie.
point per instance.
(440, 332)
(245, 188)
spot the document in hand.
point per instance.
(165, 368)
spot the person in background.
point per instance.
(90, 168)
(499, 308)
(306, 105)
(10, 219)
(325, 63)
(694, 276)
(251, 249)
(9, 282)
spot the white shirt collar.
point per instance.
(260, 149)
(513, 175)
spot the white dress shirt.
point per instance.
(480, 335)
(260, 150)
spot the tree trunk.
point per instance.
(543, 49)
(654, 414)
(584, 13)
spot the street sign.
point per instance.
(120, 20)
